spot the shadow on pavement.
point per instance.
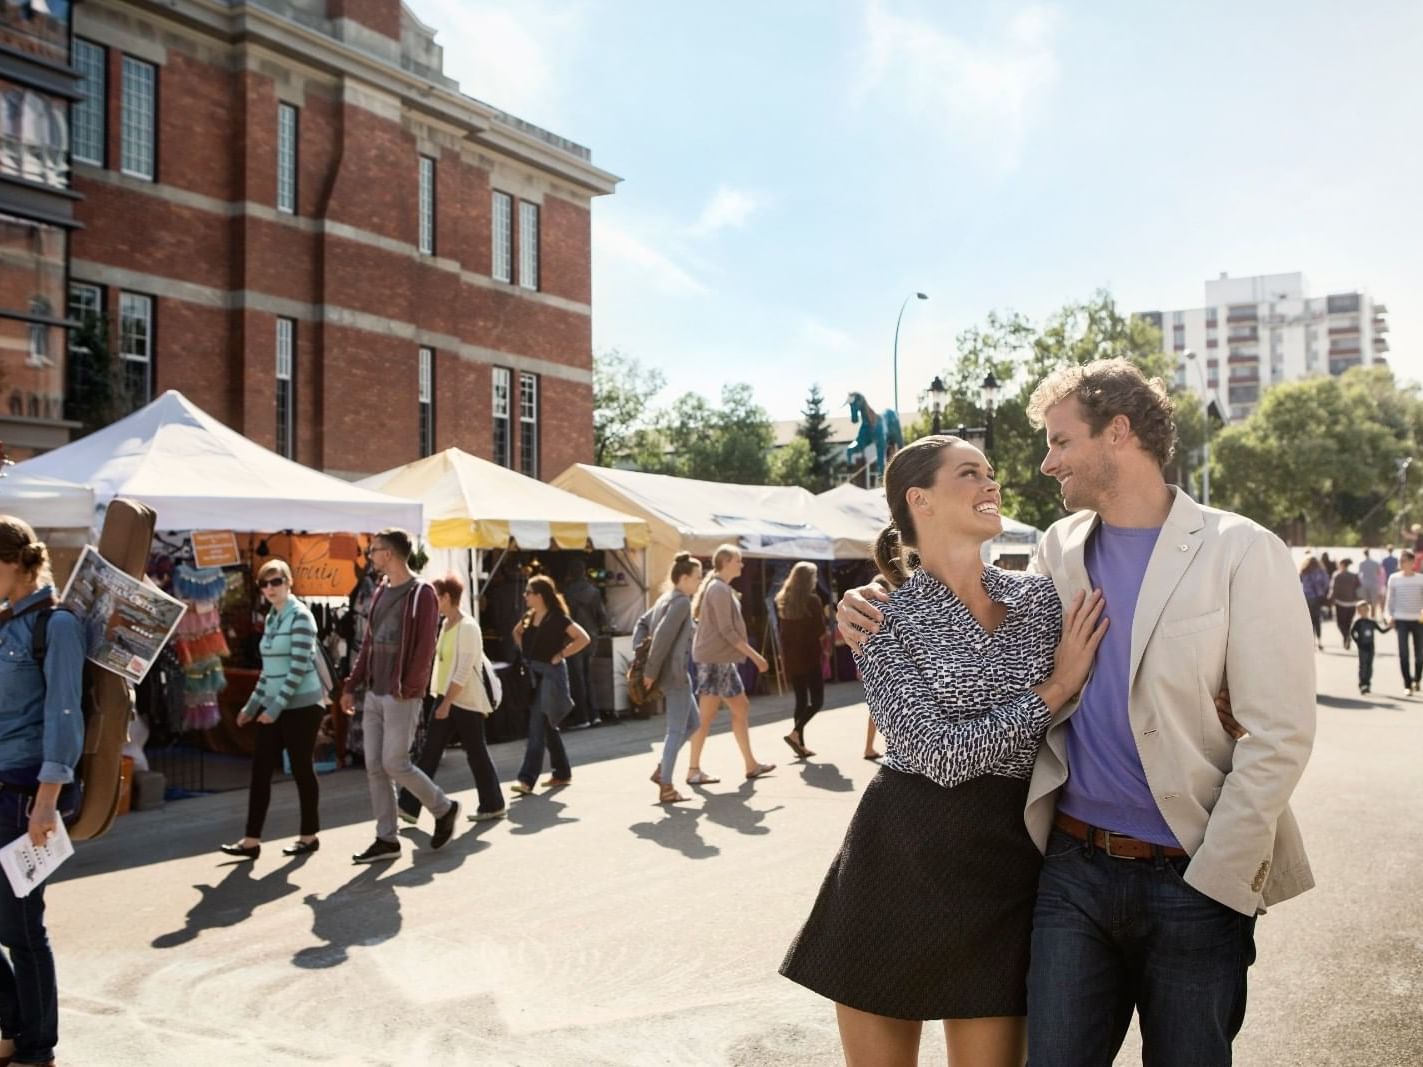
(732, 810)
(825, 776)
(677, 831)
(1346, 702)
(232, 900)
(537, 811)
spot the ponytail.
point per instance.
(889, 556)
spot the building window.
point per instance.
(427, 402)
(500, 409)
(286, 378)
(34, 137)
(503, 250)
(529, 424)
(427, 206)
(286, 158)
(86, 302)
(136, 346)
(140, 101)
(86, 118)
(528, 245)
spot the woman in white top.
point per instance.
(457, 683)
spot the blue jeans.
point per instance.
(1113, 935)
(29, 997)
(679, 728)
(541, 734)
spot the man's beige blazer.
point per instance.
(1220, 604)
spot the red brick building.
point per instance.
(293, 216)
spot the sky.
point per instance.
(793, 170)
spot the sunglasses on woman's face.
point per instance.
(272, 583)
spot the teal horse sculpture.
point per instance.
(879, 437)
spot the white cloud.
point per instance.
(649, 266)
(506, 56)
(727, 209)
(983, 93)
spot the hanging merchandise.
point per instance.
(194, 583)
(200, 645)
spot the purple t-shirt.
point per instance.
(1106, 785)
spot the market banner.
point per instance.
(322, 564)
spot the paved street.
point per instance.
(595, 928)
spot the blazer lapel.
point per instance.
(1074, 561)
(1176, 547)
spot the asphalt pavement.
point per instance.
(594, 927)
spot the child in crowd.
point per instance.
(1363, 632)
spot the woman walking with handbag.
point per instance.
(802, 615)
(669, 665)
(463, 705)
(286, 704)
(547, 636)
(41, 739)
(719, 646)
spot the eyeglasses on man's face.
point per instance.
(272, 583)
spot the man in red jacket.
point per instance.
(393, 668)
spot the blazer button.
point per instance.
(1184, 548)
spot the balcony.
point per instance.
(1380, 309)
(1339, 366)
(1243, 314)
(1244, 336)
(1339, 331)
(1242, 359)
(1349, 348)
(1380, 325)
(1380, 344)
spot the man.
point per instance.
(1167, 836)
(585, 606)
(1370, 588)
(1404, 606)
(393, 668)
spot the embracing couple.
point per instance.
(1085, 694)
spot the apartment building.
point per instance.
(1257, 331)
(293, 216)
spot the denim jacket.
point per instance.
(41, 713)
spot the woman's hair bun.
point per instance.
(33, 554)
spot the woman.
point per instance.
(286, 704)
(1314, 579)
(547, 637)
(927, 910)
(463, 705)
(802, 615)
(1344, 594)
(41, 738)
(719, 646)
(669, 664)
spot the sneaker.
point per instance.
(445, 826)
(405, 816)
(378, 850)
(519, 789)
(488, 816)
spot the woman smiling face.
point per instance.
(963, 501)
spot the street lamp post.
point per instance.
(988, 395)
(938, 395)
(1206, 407)
(897, 321)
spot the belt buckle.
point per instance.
(1107, 846)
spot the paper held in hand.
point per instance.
(27, 865)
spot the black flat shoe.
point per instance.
(242, 851)
(301, 848)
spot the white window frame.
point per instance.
(139, 111)
(528, 245)
(87, 117)
(529, 418)
(426, 394)
(427, 206)
(91, 304)
(501, 257)
(288, 128)
(501, 383)
(286, 388)
(137, 307)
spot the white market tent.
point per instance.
(865, 512)
(199, 474)
(46, 503)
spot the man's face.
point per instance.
(381, 555)
(1083, 465)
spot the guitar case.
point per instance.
(124, 541)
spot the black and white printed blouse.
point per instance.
(953, 701)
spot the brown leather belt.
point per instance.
(1118, 846)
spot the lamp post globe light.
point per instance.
(938, 397)
(897, 321)
(1206, 411)
(988, 397)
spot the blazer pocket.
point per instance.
(1193, 624)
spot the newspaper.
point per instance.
(26, 865)
(126, 621)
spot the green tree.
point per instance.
(729, 443)
(622, 396)
(794, 465)
(816, 433)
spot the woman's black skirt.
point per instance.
(927, 911)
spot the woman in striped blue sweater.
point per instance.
(287, 707)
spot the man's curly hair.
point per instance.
(1107, 388)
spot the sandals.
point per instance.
(799, 749)
(874, 757)
(700, 777)
(669, 795)
(760, 770)
(520, 789)
(657, 775)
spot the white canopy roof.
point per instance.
(46, 503)
(198, 474)
(472, 503)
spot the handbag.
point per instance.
(638, 691)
